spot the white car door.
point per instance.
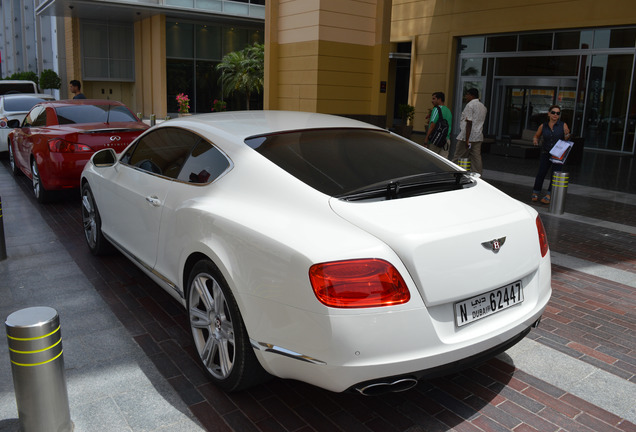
(138, 190)
(136, 199)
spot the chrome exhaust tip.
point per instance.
(380, 388)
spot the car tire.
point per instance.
(41, 194)
(92, 222)
(14, 168)
(218, 331)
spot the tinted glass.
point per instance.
(17, 88)
(20, 104)
(535, 42)
(40, 120)
(162, 151)
(93, 114)
(204, 165)
(338, 161)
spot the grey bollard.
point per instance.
(3, 244)
(35, 350)
(464, 163)
(153, 119)
(560, 182)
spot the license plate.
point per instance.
(483, 305)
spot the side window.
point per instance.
(204, 165)
(162, 151)
(33, 114)
(40, 120)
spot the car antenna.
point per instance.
(108, 115)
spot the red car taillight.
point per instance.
(3, 122)
(358, 284)
(543, 237)
(58, 145)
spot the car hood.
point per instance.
(440, 239)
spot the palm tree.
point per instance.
(243, 71)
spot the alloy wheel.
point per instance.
(212, 326)
(89, 218)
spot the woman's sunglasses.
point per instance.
(555, 112)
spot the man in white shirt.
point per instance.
(471, 131)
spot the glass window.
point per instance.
(623, 38)
(501, 43)
(535, 42)
(205, 164)
(107, 51)
(567, 40)
(72, 114)
(607, 101)
(20, 103)
(40, 120)
(537, 66)
(208, 42)
(31, 116)
(474, 67)
(162, 151)
(471, 45)
(179, 40)
(338, 161)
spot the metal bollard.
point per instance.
(560, 182)
(153, 119)
(35, 350)
(3, 244)
(464, 163)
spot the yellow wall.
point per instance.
(433, 25)
(150, 67)
(327, 56)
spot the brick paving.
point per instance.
(589, 318)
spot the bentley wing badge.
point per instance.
(494, 245)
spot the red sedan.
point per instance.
(56, 139)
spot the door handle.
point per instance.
(154, 201)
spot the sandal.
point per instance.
(546, 199)
(535, 197)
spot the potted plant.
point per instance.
(406, 113)
(183, 101)
(218, 105)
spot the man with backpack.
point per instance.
(439, 126)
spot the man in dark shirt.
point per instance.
(74, 88)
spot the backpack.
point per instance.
(440, 133)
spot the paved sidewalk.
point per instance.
(112, 385)
(131, 366)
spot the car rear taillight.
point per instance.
(58, 145)
(358, 284)
(543, 237)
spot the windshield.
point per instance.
(20, 104)
(339, 161)
(93, 114)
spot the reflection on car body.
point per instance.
(319, 248)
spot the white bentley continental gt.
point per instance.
(320, 248)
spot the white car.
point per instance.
(15, 106)
(320, 248)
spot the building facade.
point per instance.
(524, 56)
(356, 58)
(141, 52)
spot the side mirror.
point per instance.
(13, 123)
(104, 158)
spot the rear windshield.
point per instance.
(93, 114)
(338, 161)
(23, 104)
(8, 88)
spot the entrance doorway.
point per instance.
(526, 106)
